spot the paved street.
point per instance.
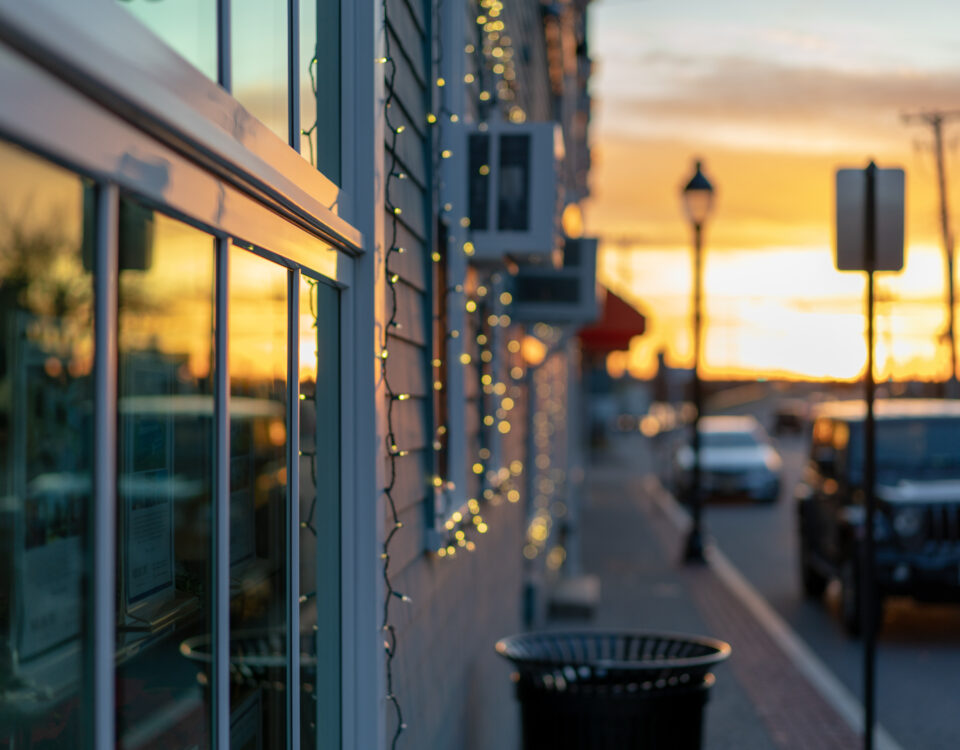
(919, 645)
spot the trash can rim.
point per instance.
(721, 650)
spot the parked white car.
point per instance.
(736, 460)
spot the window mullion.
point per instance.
(103, 572)
(221, 513)
(293, 72)
(224, 77)
(293, 510)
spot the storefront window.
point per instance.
(259, 60)
(165, 455)
(319, 516)
(189, 26)
(320, 85)
(258, 487)
(46, 454)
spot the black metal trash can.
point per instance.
(593, 690)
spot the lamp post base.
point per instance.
(693, 549)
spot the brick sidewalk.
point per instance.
(761, 700)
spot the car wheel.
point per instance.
(851, 599)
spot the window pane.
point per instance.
(189, 26)
(258, 486)
(46, 438)
(320, 85)
(259, 60)
(165, 486)
(319, 516)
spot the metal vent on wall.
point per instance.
(512, 189)
(559, 295)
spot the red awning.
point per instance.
(619, 323)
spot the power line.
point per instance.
(935, 120)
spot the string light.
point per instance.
(394, 451)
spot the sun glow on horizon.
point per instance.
(774, 105)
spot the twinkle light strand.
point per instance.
(394, 452)
(463, 527)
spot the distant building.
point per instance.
(263, 383)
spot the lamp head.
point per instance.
(698, 197)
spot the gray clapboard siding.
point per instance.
(412, 380)
(410, 343)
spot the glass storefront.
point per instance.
(46, 456)
(165, 449)
(188, 26)
(170, 292)
(319, 516)
(259, 71)
(258, 493)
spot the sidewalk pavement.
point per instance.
(763, 699)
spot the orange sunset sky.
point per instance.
(773, 96)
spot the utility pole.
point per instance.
(935, 119)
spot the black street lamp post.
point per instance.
(697, 204)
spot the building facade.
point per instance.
(281, 456)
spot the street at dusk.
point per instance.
(479, 375)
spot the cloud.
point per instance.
(741, 90)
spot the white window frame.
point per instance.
(245, 198)
(135, 73)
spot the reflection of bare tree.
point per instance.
(42, 275)
(39, 271)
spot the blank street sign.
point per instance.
(851, 219)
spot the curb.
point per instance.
(802, 657)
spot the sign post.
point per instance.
(869, 238)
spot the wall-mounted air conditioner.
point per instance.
(512, 196)
(558, 295)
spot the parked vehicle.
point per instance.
(790, 416)
(736, 460)
(917, 526)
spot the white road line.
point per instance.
(809, 664)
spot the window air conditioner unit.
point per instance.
(559, 295)
(512, 189)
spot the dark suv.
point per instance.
(917, 526)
